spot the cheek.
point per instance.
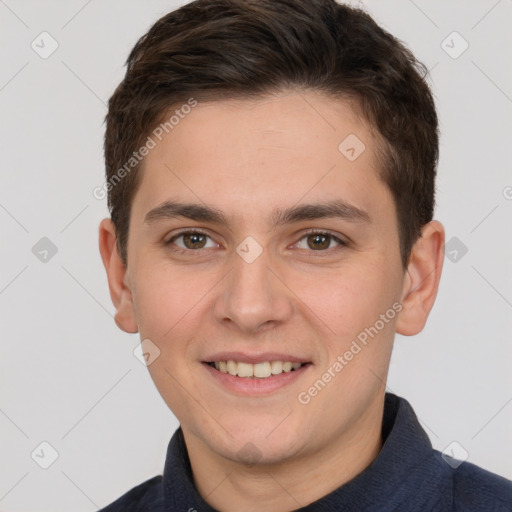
(346, 302)
(167, 297)
(351, 305)
(167, 302)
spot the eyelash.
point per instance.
(180, 250)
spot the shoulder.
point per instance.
(475, 489)
(147, 496)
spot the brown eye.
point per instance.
(190, 241)
(320, 242)
(194, 240)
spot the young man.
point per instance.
(271, 169)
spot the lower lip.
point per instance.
(254, 385)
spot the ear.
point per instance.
(422, 279)
(120, 293)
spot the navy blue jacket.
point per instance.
(408, 475)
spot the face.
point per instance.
(252, 279)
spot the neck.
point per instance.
(230, 486)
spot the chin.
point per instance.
(260, 445)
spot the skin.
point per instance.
(248, 158)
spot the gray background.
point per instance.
(69, 376)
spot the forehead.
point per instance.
(248, 157)
(289, 126)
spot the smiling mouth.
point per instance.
(262, 370)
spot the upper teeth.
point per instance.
(260, 370)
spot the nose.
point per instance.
(254, 296)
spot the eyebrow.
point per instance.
(199, 212)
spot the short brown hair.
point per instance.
(222, 49)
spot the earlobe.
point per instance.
(422, 278)
(120, 292)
